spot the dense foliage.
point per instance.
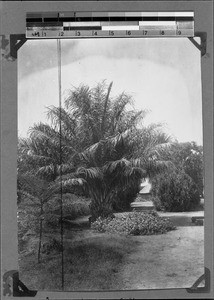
(125, 197)
(96, 145)
(134, 223)
(188, 157)
(175, 191)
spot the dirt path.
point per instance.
(172, 260)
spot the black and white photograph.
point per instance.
(110, 176)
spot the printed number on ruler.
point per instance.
(36, 33)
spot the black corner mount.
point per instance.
(10, 45)
(206, 278)
(12, 285)
(19, 289)
(203, 46)
(16, 41)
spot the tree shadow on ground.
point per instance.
(90, 263)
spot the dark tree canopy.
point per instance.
(102, 148)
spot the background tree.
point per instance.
(175, 191)
(34, 194)
(188, 157)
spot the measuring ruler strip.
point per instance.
(108, 33)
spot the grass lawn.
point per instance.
(101, 261)
(91, 262)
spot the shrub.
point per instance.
(188, 157)
(134, 223)
(175, 192)
(73, 207)
(157, 203)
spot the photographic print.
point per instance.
(110, 179)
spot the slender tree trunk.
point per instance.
(40, 240)
(40, 232)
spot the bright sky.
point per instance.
(163, 76)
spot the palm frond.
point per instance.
(65, 168)
(117, 164)
(68, 123)
(47, 171)
(105, 108)
(154, 167)
(78, 99)
(69, 184)
(120, 138)
(89, 173)
(73, 181)
(45, 133)
(160, 150)
(32, 199)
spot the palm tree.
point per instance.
(111, 166)
(103, 146)
(91, 115)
